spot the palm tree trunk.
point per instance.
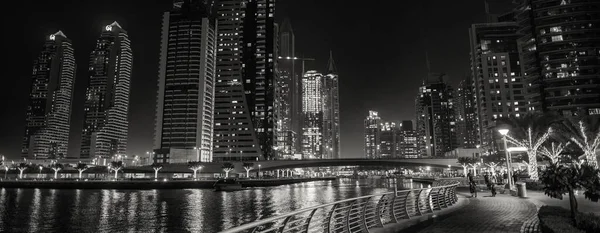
(21, 174)
(80, 172)
(155, 174)
(573, 203)
(226, 174)
(195, 173)
(116, 173)
(56, 174)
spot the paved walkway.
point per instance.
(502, 213)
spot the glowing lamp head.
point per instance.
(52, 37)
(108, 28)
(503, 132)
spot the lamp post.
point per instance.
(504, 132)
(259, 176)
(40, 171)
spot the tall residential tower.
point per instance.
(244, 92)
(105, 124)
(49, 111)
(331, 112)
(186, 84)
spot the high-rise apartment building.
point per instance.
(244, 93)
(466, 115)
(372, 135)
(331, 112)
(49, 110)
(500, 88)
(312, 110)
(186, 84)
(105, 123)
(436, 126)
(560, 48)
(286, 94)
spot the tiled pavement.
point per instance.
(502, 213)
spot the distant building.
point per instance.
(436, 126)
(408, 142)
(105, 122)
(49, 110)
(467, 131)
(312, 110)
(559, 48)
(499, 85)
(331, 112)
(186, 84)
(390, 139)
(244, 90)
(372, 135)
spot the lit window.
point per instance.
(512, 73)
(557, 38)
(555, 29)
(516, 103)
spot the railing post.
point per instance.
(378, 209)
(349, 210)
(429, 202)
(312, 213)
(364, 215)
(328, 226)
(392, 211)
(284, 223)
(418, 200)
(406, 204)
(454, 193)
(443, 197)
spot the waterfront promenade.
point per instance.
(503, 213)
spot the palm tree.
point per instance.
(116, 166)
(248, 167)
(227, 167)
(56, 167)
(492, 166)
(585, 134)
(195, 166)
(156, 167)
(81, 167)
(531, 131)
(465, 162)
(22, 167)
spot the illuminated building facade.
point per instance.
(244, 91)
(312, 110)
(331, 112)
(105, 123)
(466, 115)
(372, 135)
(559, 46)
(436, 126)
(499, 86)
(186, 86)
(49, 110)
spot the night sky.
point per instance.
(378, 46)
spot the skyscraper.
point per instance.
(331, 112)
(244, 93)
(499, 86)
(49, 111)
(372, 135)
(105, 123)
(186, 86)
(312, 110)
(286, 90)
(436, 126)
(559, 47)
(466, 115)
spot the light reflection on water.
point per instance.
(181, 210)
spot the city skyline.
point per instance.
(349, 133)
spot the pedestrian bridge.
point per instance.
(272, 165)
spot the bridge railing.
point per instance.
(358, 214)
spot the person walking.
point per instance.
(473, 189)
(470, 177)
(486, 177)
(505, 178)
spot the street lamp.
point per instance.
(504, 132)
(259, 176)
(40, 171)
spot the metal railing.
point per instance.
(358, 214)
